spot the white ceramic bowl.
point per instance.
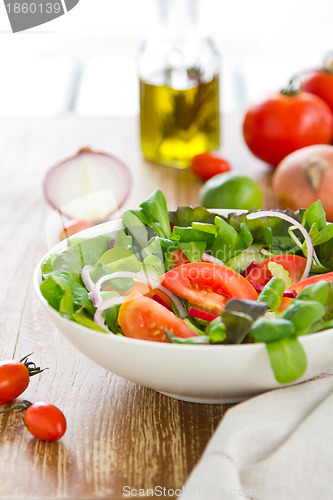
(196, 373)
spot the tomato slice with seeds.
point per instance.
(208, 286)
(143, 318)
(294, 264)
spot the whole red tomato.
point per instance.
(284, 122)
(207, 165)
(45, 421)
(15, 376)
(320, 82)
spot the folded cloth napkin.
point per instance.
(276, 446)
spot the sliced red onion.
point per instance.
(196, 313)
(105, 304)
(111, 301)
(291, 294)
(257, 287)
(206, 257)
(159, 299)
(85, 275)
(100, 321)
(97, 297)
(308, 241)
(249, 268)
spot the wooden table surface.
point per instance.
(120, 437)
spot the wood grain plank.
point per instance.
(119, 434)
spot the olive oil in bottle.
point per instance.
(178, 122)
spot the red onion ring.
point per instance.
(206, 257)
(110, 302)
(249, 268)
(85, 275)
(97, 297)
(308, 241)
(100, 321)
(291, 294)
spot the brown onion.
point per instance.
(304, 176)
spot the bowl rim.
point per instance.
(114, 225)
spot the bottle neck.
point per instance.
(178, 16)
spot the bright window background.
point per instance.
(85, 61)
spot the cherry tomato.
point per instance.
(294, 264)
(206, 165)
(143, 318)
(208, 286)
(14, 378)
(285, 122)
(74, 226)
(298, 287)
(319, 81)
(45, 421)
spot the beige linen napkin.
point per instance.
(276, 446)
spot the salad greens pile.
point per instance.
(146, 245)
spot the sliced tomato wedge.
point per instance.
(298, 287)
(208, 286)
(294, 264)
(143, 318)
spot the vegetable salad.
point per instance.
(195, 277)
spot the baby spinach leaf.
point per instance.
(111, 319)
(272, 293)
(287, 358)
(266, 330)
(317, 291)
(66, 308)
(184, 216)
(154, 213)
(81, 318)
(136, 228)
(303, 314)
(52, 291)
(228, 241)
(189, 234)
(196, 340)
(193, 250)
(325, 254)
(65, 294)
(79, 254)
(323, 325)
(216, 331)
(122, 240)
(314, 215)
(81, 299)
(115, 259)
(205, 227)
